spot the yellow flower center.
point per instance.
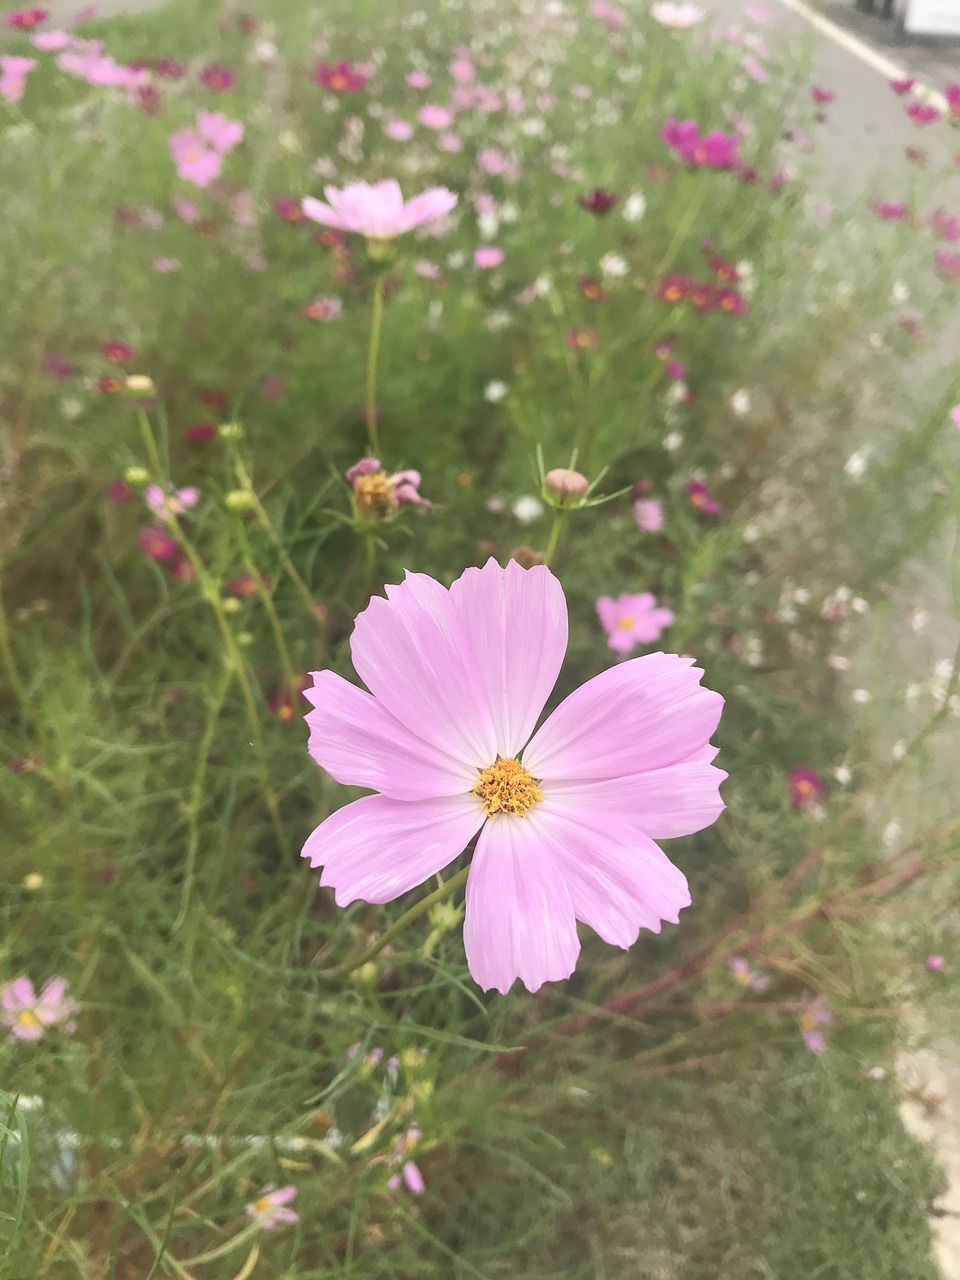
(374, 494)
(27, 1018)
(263, 1204)
(507, 787)
(805, 786)
(742, 977)
(626, 623)
(808, 1022)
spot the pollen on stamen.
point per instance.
(374, 494)
(507, 787)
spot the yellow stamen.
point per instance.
(27, 1018)
(263, 1204)
(374, 494)
(808, 1022)
(507, 787)
(626, 624)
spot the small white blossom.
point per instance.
(494, 392)
(843, 775)
(856, 464)
(740, 402)
(635, 206)
(611, 264)
(673, 441)
(861, 695)
(527, 509)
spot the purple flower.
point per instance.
(174, 503)
(458, 679)
(378, 211)
(815, 1014)
(648, 514)
(632, 620)
(270, 1208)
(715, 150)
(806, 787)
(27, 1015)
(744, 976)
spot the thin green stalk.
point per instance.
(554, 537)
(414, 913)
(376, 324)
(266, 599)
(10, 662)
(686, 222)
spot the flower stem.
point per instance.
(554, 537)
(417, 910)
(376, 324)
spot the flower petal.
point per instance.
(412, 653)
(378, 848)
(515, 622)
(317, 211)
(361, 744)
(519, 918)
(19, 994)
(619, 881)
(662, 803)
(642, 714)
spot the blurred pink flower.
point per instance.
(947, 264)
(196, 162)
(890, 211)
(399, 130)
(323, 309)
(935, 963)
(222, 133)
(270, 1207)
(823, 97)
(341, 78)
(756, 70)
(676, 15)
(487, 256)
(27, 1015)
(815, 1014)
(174, 503)
(434, 117)
(462, 70)
(714, 150)
(955, 415)
(163, 266)
(409, 1175)
(744, 976)
(921, 113)
(632, 620)
(648, 514)
(699, 494)
(25, 19)
(609, 14)
(217, 78)
(903, 86)
(806, 787)
(458, 680)
(418, 80)
(378, 211)
(13, 76)
(450, 142)
(952, 94)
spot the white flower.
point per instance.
(673, 441)
(494, 392)
(489, 225)
(856, 464)
(497, 320)
(676, 393)
(527, 509)
(843, 775)
(899, 749)
(891, 834)
(900, 292)
(611, 264)
(71, 408)
(288, 141)
(634, 207)
(509, 211)
(861, 695)
(456, 260)
(533, 127)
(740, 402)
(801, 595)
(751, 532)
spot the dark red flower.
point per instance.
(732, 301)
(282, 705)
(598, 201)
(248, 585)
(246, 23)
(25, 19)
(200, 433)
(58, 366)
(821, 96)
(582, 339)
(214, 399)
(592, 289)
(111, 385)
(331, 238)
(290, 210)
(171, 69)
(699, 494)
(118, 352)
(725, 271)
(806, 787)
(149, 100)
(216, 77)
(119, 491)
(158, 543)
(340, 78)
(674, 288)
(705, 296)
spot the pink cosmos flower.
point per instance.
(901, 87)
(806, 787)
(379, 495)
(216, 77)
(714, 150)
(699, 494)
(462, 70)
(632, 620)
(609, 14)
(409, 1175)
(323, 309)
(434, 117)
(418, 80)
(946, 225)
(955, 416)
(935, 963)
(678, 16)
(219, 131)
(270, 1207)
(744, 976)
(27, 1015)
(25, 19)
(399, 130)
(174, 503)
(649, 514)
(458, 679)
(920, 113)
(952, 94)
(947, 264)
(51, 41)
(487, 257)
(164, 266)
(823, 97)
(890, 211)
(378, 211)
(196, 161)
(13, 77)
(756, 70)
(342, 78)
(815, 1014)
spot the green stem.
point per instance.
(266, 600)
(554, 537)
(414, 913)
(376, 323)
(10, 662)
(686, 222)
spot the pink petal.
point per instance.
(619, 880)
(19, 994)
(414, 1179)
(519, 918)
(284, 1195)
(378, 848)
(428, 207)
(320, 212)
(53, 990)
(412, 653)
(662, 803)
(361, 744)
(645, 713)
(515, 621)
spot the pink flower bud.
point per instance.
(565, 483)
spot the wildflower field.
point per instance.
(471, 731)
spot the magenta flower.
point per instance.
(935, 963)
(946, 225)
(158, 544)
(381, 496)
(609, 14)
(378, 211)
(27, 1015)
(920, 113)
(947, 264)
(434, 117)
(698, 491)
(744, 976)
(409, 1175)
(458, 679)
(806, 787)
(632, 620)
(955, 416)
(901, 87)
(323, 309)
(890, 211)
(217, 78)
(815, 1014)
(25, 19)
(222, 133)
(952, 94)
(822, 97)
(196, 161)
(714, 150)
(344, 77)
(648, 514)
(13, 76)
(270, 1208)
(598, 201)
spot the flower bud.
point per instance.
(136, 475)
(565, 486)
(231, 605)
(239, 500)
(231, 431)
(139, 385)
(33, 881)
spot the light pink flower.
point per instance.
(434, 117)
(815, 1014)
(196, 161)
(676, 15)
(632, 620)
(222, 133)
(450, 142)
(399, 130)
(270, 1207)
(410, 1174)
(51, 41)
(163, 266)
(935, 963)
(609, 14)
(955, 416)
(13, 76)
(27, 1015)
(174, 503)
(487, 257)
(462, 70)
(458, 679)
(378, 211)
(418, 80)
(744, 976)
(324, 309)
(649, 514)
(186, 209)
